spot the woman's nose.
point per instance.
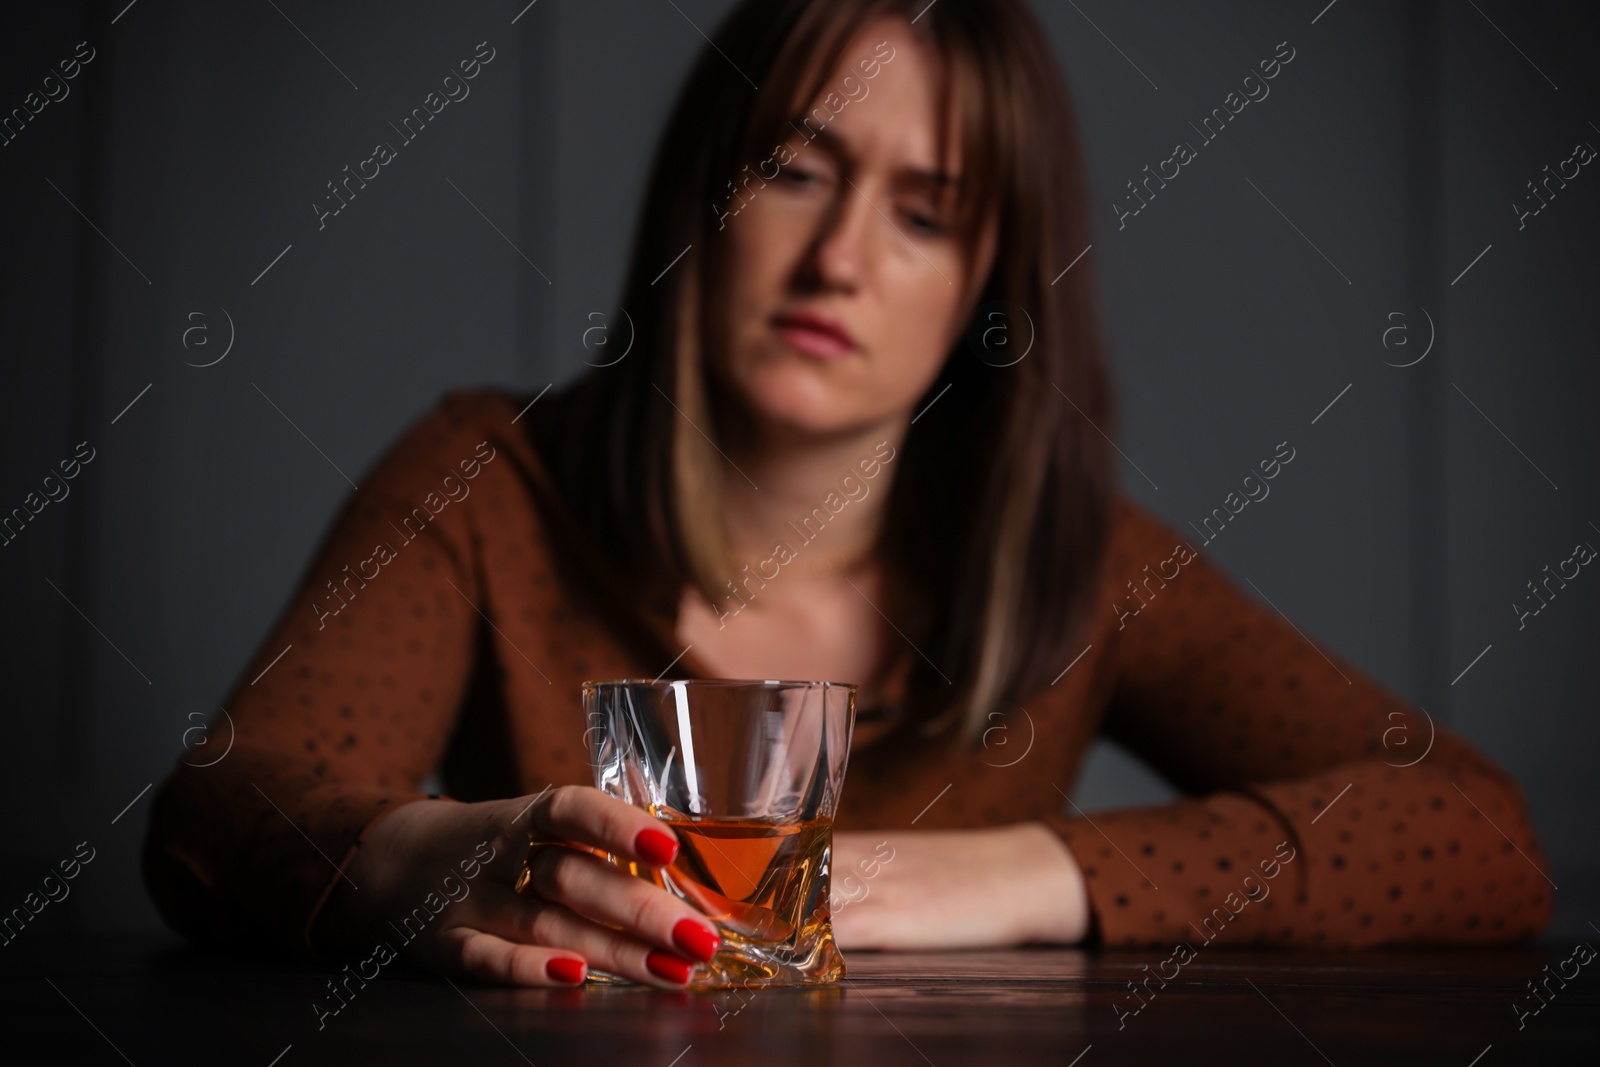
(840, 254)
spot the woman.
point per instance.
(858, 436)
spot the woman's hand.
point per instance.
(486, 931)
(935, 889)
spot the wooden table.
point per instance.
(153, 1001)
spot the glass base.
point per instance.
(743, 964)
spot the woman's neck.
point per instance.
(824, 497)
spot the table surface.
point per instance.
(152, 1000)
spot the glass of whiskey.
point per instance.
(748, 774)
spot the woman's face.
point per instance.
(854, 232)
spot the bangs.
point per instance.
(802, 73)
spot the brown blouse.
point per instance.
(435, 629)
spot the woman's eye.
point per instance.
(796, 175)
(928, 224)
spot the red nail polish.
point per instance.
(694, 939)
(565, 969)
(665, 965)
(656, 846)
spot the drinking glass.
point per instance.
(747, 774)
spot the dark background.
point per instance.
(190, 151)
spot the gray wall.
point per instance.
(197, 139)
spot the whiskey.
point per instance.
(765, 885)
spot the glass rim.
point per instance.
(661, 683)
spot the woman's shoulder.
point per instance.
(1136, 533)
(519, 493)
(469, 440)
(464, 423)
(482, 410)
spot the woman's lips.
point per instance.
(814, 337)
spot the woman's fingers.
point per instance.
(483, 957)
(597, 890)
(585, 815)
(534, 921)
(579, 902)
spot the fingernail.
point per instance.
(695, 939)
(672, 968)
(565, 969)
(656, 846)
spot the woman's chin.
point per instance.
(802, 403)
(805, 421)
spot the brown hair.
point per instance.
(997, 517)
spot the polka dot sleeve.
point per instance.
(345, 709)
(1315, 814)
